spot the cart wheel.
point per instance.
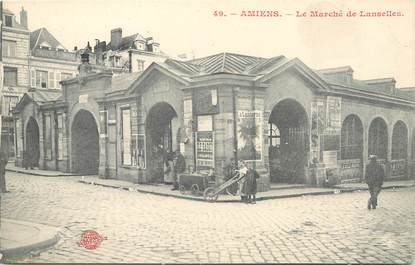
(232, 189)
(182, 189)
(194, 189)
(210, 195)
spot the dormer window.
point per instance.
(155, 48)
(139, 45)
(8, 21)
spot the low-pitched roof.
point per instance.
(123, 81)
(42, 35)
(40, 97)
(226, 63)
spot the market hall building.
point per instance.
(293, 124)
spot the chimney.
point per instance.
(116, 35)
(23, 18)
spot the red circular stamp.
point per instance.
(91, 239)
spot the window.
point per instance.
(378, 138)
(41, 79)
(48, 137)
(8, 21)
(399, 141)
(133, 148)
(51, 79)
(117, 61)
(126, 136)
(9, 48)
(9, 102)
(140, 65)
(274, 136)
(138, 151)
(10, 76)
(351, 138)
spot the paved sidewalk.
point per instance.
(38, 172)
(18, 238)
(386, 185)
(285, 191)
(165, 190)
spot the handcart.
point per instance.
(193, 183)
(230, 186)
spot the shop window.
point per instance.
(132, 145)
(10, 76)
(48, 137)
(138, 151)
(9, 48)
(41, 79)
(126, 137)
(60, 133)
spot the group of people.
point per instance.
(174, 164)
(247, 185)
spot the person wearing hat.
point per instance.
(374, 177)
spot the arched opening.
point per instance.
(288, 142)
(32, 154)
(352, 138)
(378, 138)
(85, 144)
(399, 150)
(159, 138)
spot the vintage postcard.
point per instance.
(187, 131)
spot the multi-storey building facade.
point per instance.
(15, 51)
(49, 61)
(30, 60)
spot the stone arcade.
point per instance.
(292, 123)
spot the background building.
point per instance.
(133, 53)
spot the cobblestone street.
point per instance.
(148, 228)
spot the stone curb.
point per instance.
(39, 174)
(48, 236)
(262, 198)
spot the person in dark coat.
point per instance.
(374, 177)
(251, 185)
(4, 158)
(179, 163)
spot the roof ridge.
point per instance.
(223, 61)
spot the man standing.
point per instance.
(374, 179)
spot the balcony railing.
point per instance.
(53, 54)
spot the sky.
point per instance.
(375, 47)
